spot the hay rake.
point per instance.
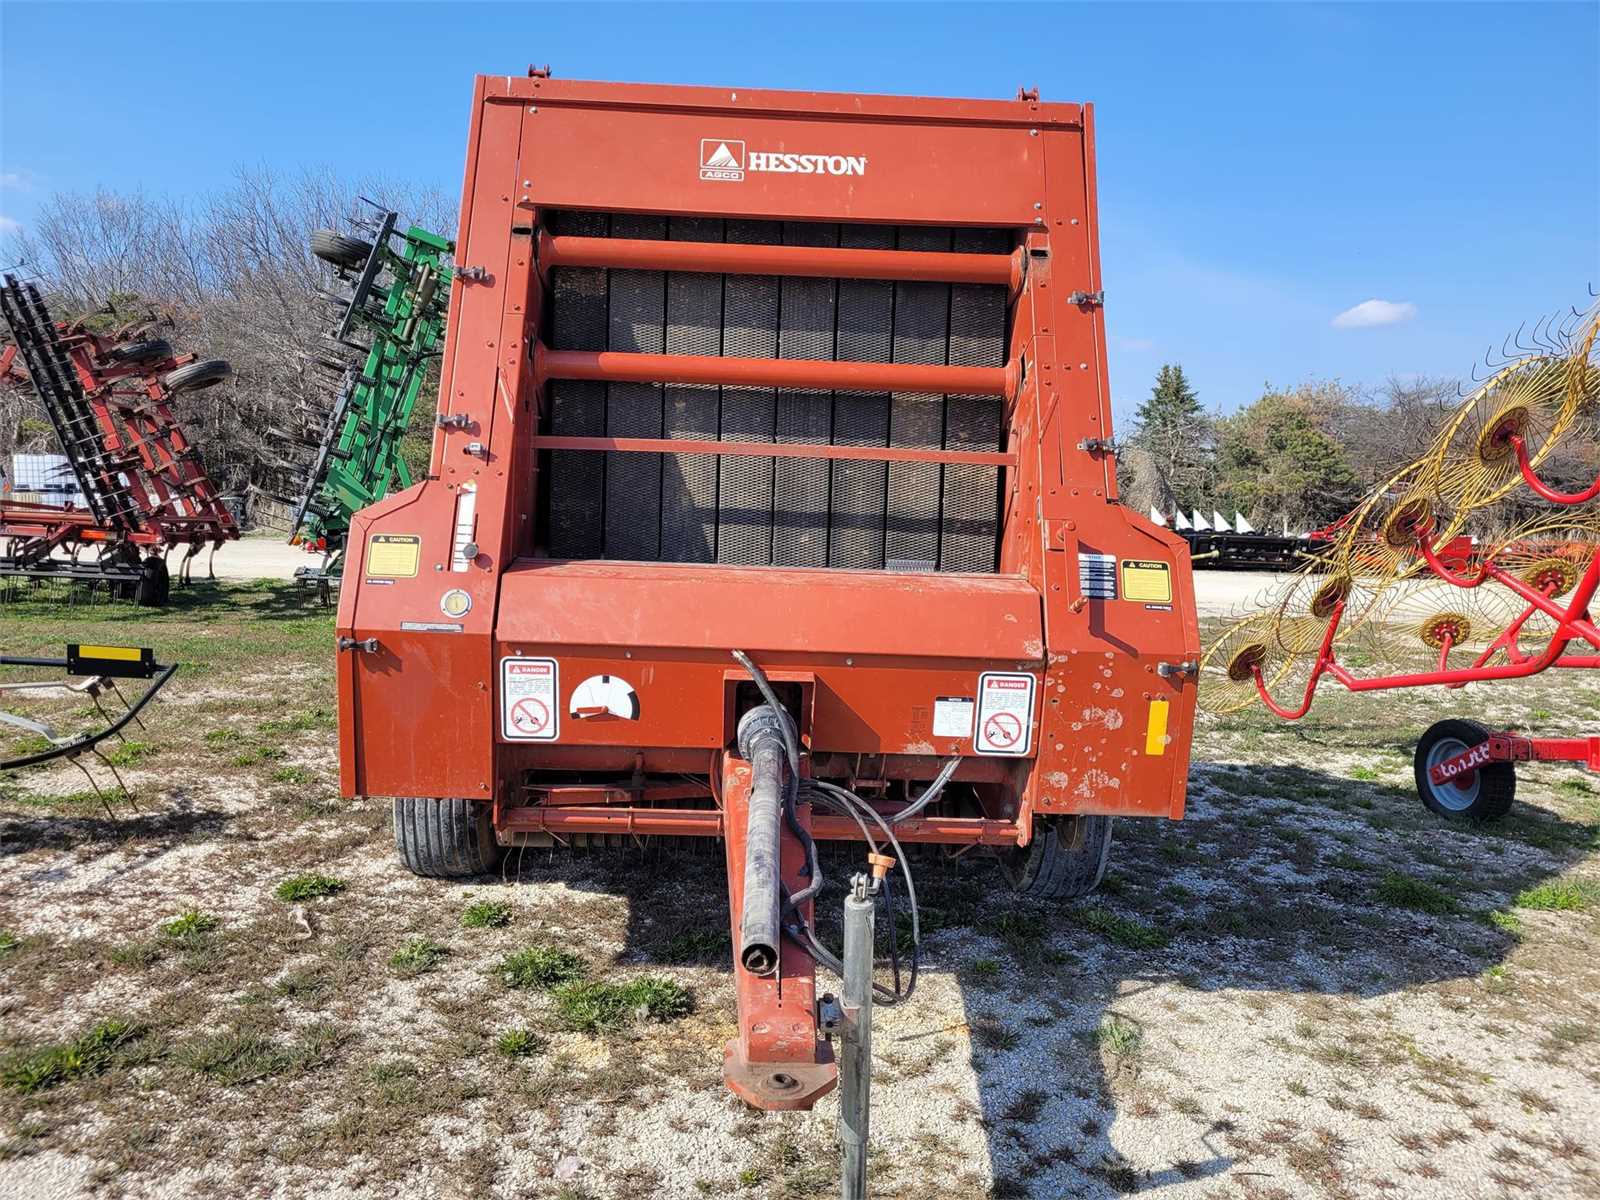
(389, 322)
(1517, 606)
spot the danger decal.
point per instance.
(1005, 714)
(528, 708)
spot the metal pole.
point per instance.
(761, 741)
(855, 1069)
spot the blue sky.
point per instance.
(1263, 168)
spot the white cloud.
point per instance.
(1375, 312)
(21, 181)
(9, 225)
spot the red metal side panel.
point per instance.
(415, 716)
(859, 158)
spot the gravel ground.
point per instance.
(1307, 988)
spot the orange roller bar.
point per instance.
(707, 822)
(734, 258)
(972, 458)
(616, 367)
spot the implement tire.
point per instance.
(131, 352)
(445, 839)
(155, 584)
(1486, 795)
(339, 250)
(1065, 860)
(197, 375)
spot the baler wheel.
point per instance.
(445, 838)
(1051, 867)
(339, 250)
(197, 375)
(140, 351)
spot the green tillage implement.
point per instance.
(400, 293)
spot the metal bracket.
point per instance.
(1098, 445)
(472, 274)
(1093, 299)
(1168, 669)
(452, 420)
(367, 645)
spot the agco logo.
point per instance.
(726, 160)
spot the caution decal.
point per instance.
(393, 555)
(528, 690)
(1145, 580)
(1005, 714)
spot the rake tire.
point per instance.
(1051, 867)
(155, 583)
(445, 839)
(1490, 789)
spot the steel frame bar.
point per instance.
(777, 1061)
(1572, 623)
(1542, 489)
(824, 375)
(828, 262)
(776, 450)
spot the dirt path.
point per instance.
(1307, 988)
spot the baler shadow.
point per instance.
(1070, 1057)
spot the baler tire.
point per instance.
(132, 352)
(445, 839)
(1492, 791)
(1049, 869)
(339, 250)
(196, 375)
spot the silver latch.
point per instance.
(1098, 445)
(366, 645)
(1168, 669)
(1094, 299)
(452, 420)
(478, 450)
(472, 274)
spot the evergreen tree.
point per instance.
(1176, 435)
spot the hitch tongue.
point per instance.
(761, 743)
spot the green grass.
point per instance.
(595, 1007)
(1364, 774)
(1124, 931)
(29, 1071)
(292, 774)
(696, 946)
(241, 1056)
(222, 737)
(418, 956)
(313, 718)
(984, 970)
(519, 1043)
(545, 967)
(190, 926)
(1120, 1037)
(257, 754)
(1405, 891)
(486, 914)
(1506, 922)
(128, 753)
(8, 942)
(311, 886)
(1567, 895)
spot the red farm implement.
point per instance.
(771, 501)
(1486, 610)
(109, 400)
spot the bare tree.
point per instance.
(230, 273)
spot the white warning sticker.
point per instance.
(952, 716)
(528, 688)
(1005, 713)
